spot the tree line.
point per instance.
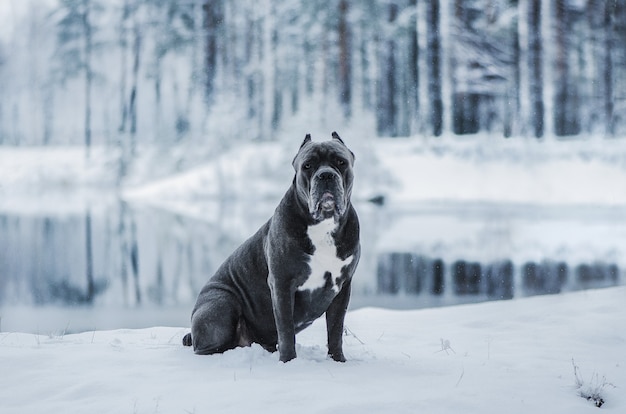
(129, 72)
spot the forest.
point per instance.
(124, 73)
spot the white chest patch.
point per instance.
(324, 259)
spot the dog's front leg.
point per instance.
(335, 315)
(282, 304)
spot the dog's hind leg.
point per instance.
(215, 324)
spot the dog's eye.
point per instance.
(307, 166)
(340, 162)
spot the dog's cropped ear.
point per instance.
(336, 136)
(307, 139)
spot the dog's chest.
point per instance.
(324, 264)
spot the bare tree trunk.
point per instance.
(434, 68)
(535, 67)
(269, 109)
(133, 91)
(598, 64)
(123, 45)
(512, 94)
(607, 75)
(345, 60)
(618, 34)
(387, 90)
(213, 21)
(48, 114)
(414, 81)
(158, 115)
(87, 48)
(566, 105)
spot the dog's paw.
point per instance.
(337, 356)
(187, 340)
(287, 356)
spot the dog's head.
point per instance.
(324, 177)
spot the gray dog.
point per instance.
(296, 267)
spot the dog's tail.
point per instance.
(187, 340)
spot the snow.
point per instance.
(511, 356)
(494, 170)
(54, 180)
(256, 172)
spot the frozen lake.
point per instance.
(121, 265)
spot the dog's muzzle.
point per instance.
(326, 197)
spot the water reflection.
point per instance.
(118, 259)
(117, 255)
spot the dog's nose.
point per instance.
(326, 176)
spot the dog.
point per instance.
(296, 267)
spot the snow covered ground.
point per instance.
(512, 356)
(517, 171)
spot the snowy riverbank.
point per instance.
(471, 169)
